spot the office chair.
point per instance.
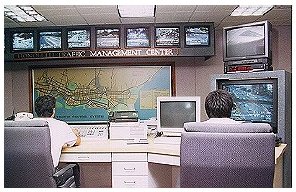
(227, 156)
(27, 158)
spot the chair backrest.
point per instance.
(220, 157)
(27, 154)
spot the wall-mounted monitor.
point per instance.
(23, 41)
(50, 40)
(167, 36)
(138, 37)
(248, 41)
(255, 100)
(108, 38)
(173, 112)
(78, 38)
(197, 36)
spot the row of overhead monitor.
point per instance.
(109, 37)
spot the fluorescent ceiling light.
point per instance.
(22, 13)
(251, 10)
(136, 10)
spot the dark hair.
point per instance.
(44, 106)
(219, 104)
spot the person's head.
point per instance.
(45, 106)
(219, 104)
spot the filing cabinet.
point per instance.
(129, 170)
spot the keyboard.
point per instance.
(167, 140)
(92, 131)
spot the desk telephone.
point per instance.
(95, 131)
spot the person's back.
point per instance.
(60, 132)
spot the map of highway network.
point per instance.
(90, 94)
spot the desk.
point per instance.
(162, 162)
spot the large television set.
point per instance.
(197, 36)
(23, 41)
(255, 100)
(138, 37)
(50, 40)
(248, 41)
(173, 112)
(78, 38)
(167, 36)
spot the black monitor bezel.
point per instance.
(22, 50)
(49, 49)
(77, 29)
(197, 26)
(148, 35)
(104, 28)
(168, 27)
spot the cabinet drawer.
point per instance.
(129, 156)
(129, 181)
(129, 168)
(85, 157)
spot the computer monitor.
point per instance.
(255, 100)
(173, 112)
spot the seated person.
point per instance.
(60, 132)
(218, 105)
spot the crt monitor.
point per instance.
(173, 112)
(248, 41)
(255, 100)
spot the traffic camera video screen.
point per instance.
(50, 40)
(108, 38)
(22, 41)
(167, 36)
(137, 37)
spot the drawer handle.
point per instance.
(129, 169)
(83, 157)
(130, 182)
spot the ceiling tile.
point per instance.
(137, 20)
(68, 20)
(102, 19)
(90, 9)
(174, 8)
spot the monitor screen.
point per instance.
(108, 38)
(247, 41)
(50, 40)
(197, 36)
(138, 37)
(173, 112)
(255, 100)
(167, 36)
(22, 41)
(78, 38)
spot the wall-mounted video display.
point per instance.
(197, 36)
(167, 36)
(138, 37)
(23, 41)
(50, 40)
(108, 37)
(78, 38)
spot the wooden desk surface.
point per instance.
(110, 146)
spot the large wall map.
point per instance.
(88, 94)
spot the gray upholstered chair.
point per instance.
(27, 157)
(227, 156)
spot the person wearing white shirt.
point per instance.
(218, 105)
(61, 133)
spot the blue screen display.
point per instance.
(253, 102)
